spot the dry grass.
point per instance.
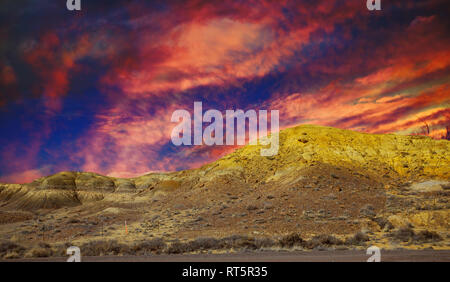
(406, 234)
(9, 249)
(237, 242)
(102, 248)
(322, 241)
(39, 252)
(358, 239)
(155, 246)
(291, 240)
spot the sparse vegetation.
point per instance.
(403, 234)
(367, 211)
(102, 248)
(323, 240)
(407, 234)
(178, 248)
(39, 252)
(291, 240)
(204, 244)
(244, 242)
(155, 246)
(10, 250)
(358, 239)
(383, 223)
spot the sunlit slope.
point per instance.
(411, 157)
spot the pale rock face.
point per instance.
(429, 186)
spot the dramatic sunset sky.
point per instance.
(94, 90)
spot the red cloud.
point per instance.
(52, 61)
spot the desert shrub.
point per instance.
(251, 243)
(195, 245)
(322, 240)
(99, 248)
(407, 234)
(178, 248)
(264, 243)
(44, 245)
(10, 247)
(156, 246)
(311, 243)
(383, 223)
(427, 236)
(11, 255)
(232, 241)
(291, 240)
(367, 211)
(245, 243)
(39, 252)
(358, 239)
(404, 234)
(61, 249)
(205, 244)
(325, 239)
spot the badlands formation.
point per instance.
(326, 188)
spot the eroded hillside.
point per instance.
(323, 181)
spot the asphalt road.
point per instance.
(297, 256)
